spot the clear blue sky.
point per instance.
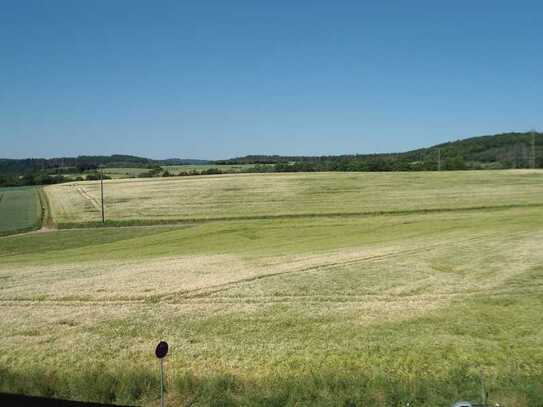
(205, 79)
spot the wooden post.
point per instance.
(102, 194)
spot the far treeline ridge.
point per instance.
(501, 151)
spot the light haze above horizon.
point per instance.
(219, 79)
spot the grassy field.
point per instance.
(20, 209)
(405, 305)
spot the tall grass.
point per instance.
(105, 385)
(129, 385)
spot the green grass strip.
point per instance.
(154, 222)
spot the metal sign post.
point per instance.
(161, 351)
(483, 389)
(161, 382)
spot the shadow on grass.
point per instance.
(126, 386)
(313, 389)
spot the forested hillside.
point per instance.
(501, 151)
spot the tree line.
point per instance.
(502, 151)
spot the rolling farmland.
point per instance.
(284, 289)
(20, 209)
(289, 195)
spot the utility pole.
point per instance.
(439, 159)
(102, 193)
(532, 156)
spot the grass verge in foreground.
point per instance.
(291, 360)
(313, 389)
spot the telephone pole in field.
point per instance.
(532, 153)
(102, 194)
(439, 159)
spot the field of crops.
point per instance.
(333, 308)
(20, 209)
(278, 195)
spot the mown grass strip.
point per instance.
(155, 222)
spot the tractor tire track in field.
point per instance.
(206, 294)
(85, 194)
(210, 290)
(275, 299)
(356, 298)
(200, 293)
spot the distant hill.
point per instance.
(507, 150)
(86, 162)
(500, 151)
(29, 165)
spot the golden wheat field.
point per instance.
(295, 194)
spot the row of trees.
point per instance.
(30, 179)
(64, 165)
(44, 179)
(508, 150)
(366, 165)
